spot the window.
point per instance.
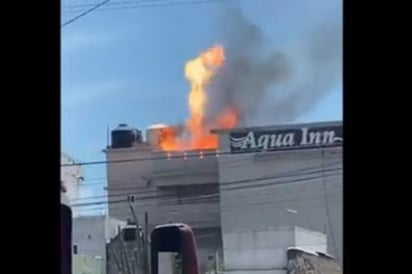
(129, 234)
(75, 249)
(188, 194)
(130, 198)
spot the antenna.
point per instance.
(107, 136)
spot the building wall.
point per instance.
(70, 175)
(302, 262)
(265, 250)
(209, 242)
(121, 256)
(153, 182)
(181, 190)
(113, 227)
(91, 233)
(302, 188)
(87, 265)
(257, 271)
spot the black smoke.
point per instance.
(280, 84)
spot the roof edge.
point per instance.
(277, 127)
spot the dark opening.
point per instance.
(129, 234)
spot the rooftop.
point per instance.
(277, 127)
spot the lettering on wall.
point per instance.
(264, 140)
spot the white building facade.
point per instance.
(280, 176)
(91, 234)
(264, 251)
(70, 175)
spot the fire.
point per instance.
(199, 72)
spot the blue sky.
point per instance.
(127, 66)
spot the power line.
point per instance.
(121, 184)
(222, 189)
(186, 155)
(223, 208)
(216, 195)
(142, 4)
(84, 13)
(273, 202)
(109, 4)
(133, 184)
(125, 182)
(233, 163)
(171, 157)
(290, 173)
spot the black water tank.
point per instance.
(123, 136)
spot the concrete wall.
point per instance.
(209, 241)
(91, 233)
(147, 181)
(257, 271)
(266, 249)
(181, 171)
(303, 262)
(143, 179)
(113, 227)
(70, 175)
(121, 256)
(302, 188)
(88, 265)
(310, 240)
(129, 178)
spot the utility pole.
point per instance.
(146, 243)
(119, 266)
(138, 238)
(125, 256)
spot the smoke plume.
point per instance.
(280, 84)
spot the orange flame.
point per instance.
(199, 72)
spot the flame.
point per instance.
(199, 72)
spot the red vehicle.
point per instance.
(177, 242)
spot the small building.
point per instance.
(283, 175)
(301, 261)
(86, 264)
(90, 235)
(71, 176)
(265, 250)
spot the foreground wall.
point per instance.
(83, 264)
(265, 250)
(302, 262)
(288, 187)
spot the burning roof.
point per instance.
(195, 133)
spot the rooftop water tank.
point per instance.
(153, 134)
(124, 136)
